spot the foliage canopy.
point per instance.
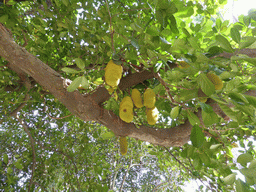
(60, 124)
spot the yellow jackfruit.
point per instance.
(126, 113)
(136, 97)
(127, 101)
(152, 116)
(126, 109)
(217, 82)
(149, 98)
(113, 73)
(123, 145)
(183, 65)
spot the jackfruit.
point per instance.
(126, 113)
(123, 145)
(217, 82)
(127, 101)
(183, 65)
(136, 97)
(149, 98)
(126, 109)
(152, 116)
(113, 73)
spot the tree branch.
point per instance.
(26, 129)
(87, 107)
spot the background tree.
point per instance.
(60, 121)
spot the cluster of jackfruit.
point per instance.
(113, 73)
(126, 106)
(149, 103)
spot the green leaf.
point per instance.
(173, 24)
(251, 173)
(252, 14)
(80, 63)
(235, 34)
(205, 159)
(108, 135)
(197, 163)
(245, 158)
(224, 43)
(230, 179)
(197, 136)
(215, 147)
(246, 42)
(9, 170)
(252, 164)
(84, 83)
(134, 43)
(175, 112)
(193, 119)
(75, 84)
(152, 30)
(206, 85)
(209, 118)
(228, 112)
(136, 27)
(69, 70)
(207, 108)
(194, 42)
(238, 97)
(65, 2)
(3, 18)
(18, 165)
(241, 186)
(5, 156)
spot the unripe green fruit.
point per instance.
(123, 145)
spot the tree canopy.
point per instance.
(66, 66)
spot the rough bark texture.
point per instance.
(88, 108)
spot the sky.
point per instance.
(232, 8)
(238, 7)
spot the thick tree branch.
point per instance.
(87, 107)
(248, 52)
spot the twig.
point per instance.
(110, 26)
(126, 173)
(178, 160)
(184, 166)
(66, 155)
(35, 183)
(48, 114)
(26, 129)
(28, 86)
